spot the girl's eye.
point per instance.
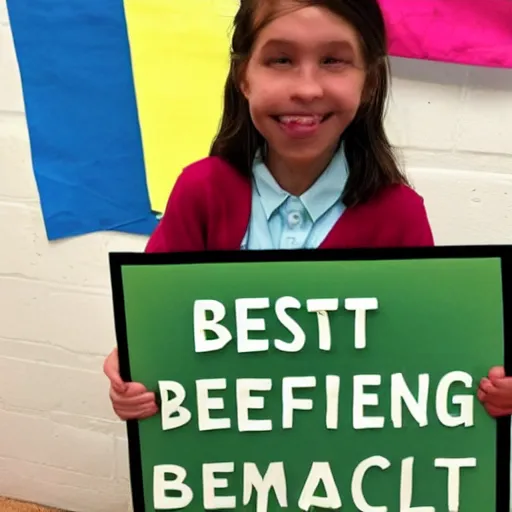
(280, 61)
(286, 61)
(330, 61)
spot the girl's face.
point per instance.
(304, 82)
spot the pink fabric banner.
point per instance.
(474, 32)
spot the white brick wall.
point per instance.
(59, 441)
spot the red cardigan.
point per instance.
(210, 206)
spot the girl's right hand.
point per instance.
(130, 400)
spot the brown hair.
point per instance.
(369, 154)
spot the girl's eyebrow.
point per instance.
(334, 44)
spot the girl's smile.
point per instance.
(301, 126)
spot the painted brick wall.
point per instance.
(59, 441)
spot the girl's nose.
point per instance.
(306, 87)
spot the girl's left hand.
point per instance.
(495, 393)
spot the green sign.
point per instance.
(316, 380)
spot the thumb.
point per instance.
(497, 373)
(111, 370)
(135, 389)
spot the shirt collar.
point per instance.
(327, 189)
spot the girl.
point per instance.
(301, 159)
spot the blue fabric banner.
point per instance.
(80, 102)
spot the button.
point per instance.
(294, 219)
(289, 243)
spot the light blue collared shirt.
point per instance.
(280, 220)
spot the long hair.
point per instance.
(370, 157)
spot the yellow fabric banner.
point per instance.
(180, 59)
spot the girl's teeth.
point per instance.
(305, 120)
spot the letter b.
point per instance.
(173, 414)
(161, 501)
(202, 325)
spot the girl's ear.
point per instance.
(241, 80)
(244, 87)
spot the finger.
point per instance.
(481, 384)
(504, 384)
(486, 386)
(132, 401)
(502, 401)
(136, 414)
(481, 395)
(134, 389)
(496, 396)
(496, 412)
(497, 373)
(111, 370)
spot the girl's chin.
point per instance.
(303, 154)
